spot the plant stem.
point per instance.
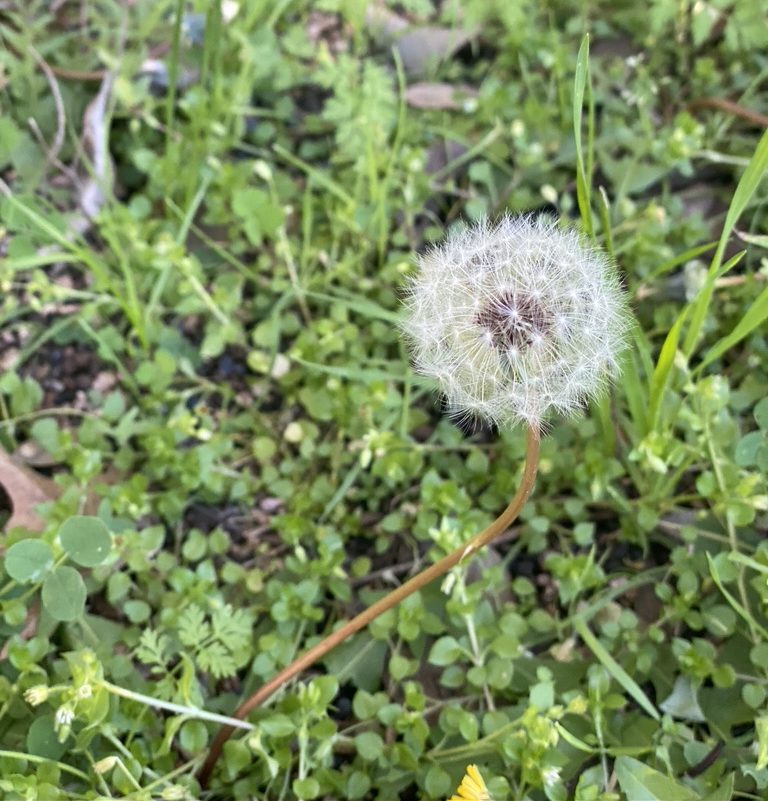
(414, 584)
(178, 709)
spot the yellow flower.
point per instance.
(472, 787)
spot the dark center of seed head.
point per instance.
(514, 320)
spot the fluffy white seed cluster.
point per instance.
(516, 319)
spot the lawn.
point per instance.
(226, 429)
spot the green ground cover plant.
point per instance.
(214, 449)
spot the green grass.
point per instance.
(211, 373)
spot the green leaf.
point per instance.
(369, 745)
(724, 792)
(761, 414)
(437, 782)
(193, 736)
(642, 783)
(306, 788)
(64, 594)
(28, 561)
(277, 726)
(42, 739)
(542, 695)
(86, 540)
(358, 784)
(748, 448)
(261, 216)
(445, 651)
(682, 702)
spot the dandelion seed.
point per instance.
(516, 320)
(472, 787)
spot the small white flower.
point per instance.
(551, 776)
(84, 691)
(516, 319)
(64, 716)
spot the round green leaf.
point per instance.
(369, 745)
(42, 740)
(193, 736)
(306, 788)
(28, 560)
(761, 414)
(64, 594)
(86, 540)
(437, 782)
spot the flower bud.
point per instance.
(516, 320)
(36, 695)
(105, 765)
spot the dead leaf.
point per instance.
(383, 23)
(441, 153)
(25, 489)
(428, 95)
(95, 139)
(420, 48)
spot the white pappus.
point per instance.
(516, 319)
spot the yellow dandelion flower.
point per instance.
(472, 787)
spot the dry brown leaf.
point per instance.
(428, 95)
(25, 489)
(419, 48)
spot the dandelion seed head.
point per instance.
(516, 320)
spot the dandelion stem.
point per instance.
(178, 709)
(501, 523)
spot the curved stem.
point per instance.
(401, 593)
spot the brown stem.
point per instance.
(729, 107)
(372, 612)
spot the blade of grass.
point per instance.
(322, 178)
(38, 260)
(605, 217)
(614, 668)
(173, 72)
(632, 383)
(363, 306)
(675, 261)
(758, 165)
(661, 372)
(362, 375)
(737, 607)
(583, 85)
(755, 316)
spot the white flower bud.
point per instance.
(105, 765)
(35, 696)
(174, 792)
(516, 319)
